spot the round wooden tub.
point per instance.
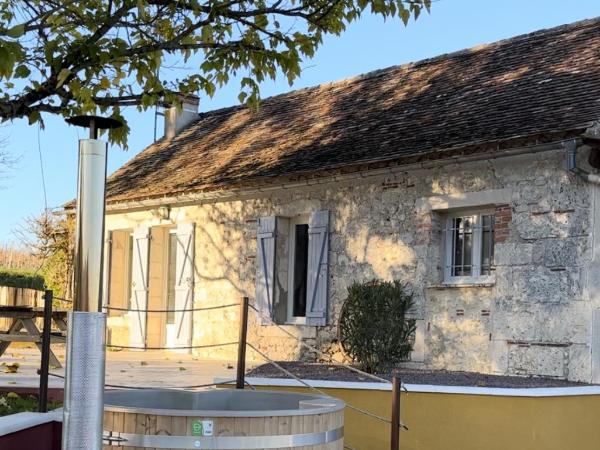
(222, 419)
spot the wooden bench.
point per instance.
(23, 317)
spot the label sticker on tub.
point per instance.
(202, 428)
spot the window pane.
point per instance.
(171, 277)
(462, 228)
(300, 270)
(487, 244)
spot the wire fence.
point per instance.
(308, 385)
(320, 352)
(165, 311)
(195, 386)
(187, 347)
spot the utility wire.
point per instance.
(42, 170)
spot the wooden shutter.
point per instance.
(184, 284)
(318, 268)
(117, 273)
(139, 286)
(265, 267)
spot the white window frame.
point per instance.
(296, 220)
(476, 277)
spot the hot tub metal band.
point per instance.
(118, 439)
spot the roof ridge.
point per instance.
(374, 73)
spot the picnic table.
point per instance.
(23, 317)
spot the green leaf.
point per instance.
(105, 83)
(62, 76)
(405, 16)
(22, 71)
(16, 32)
(34, 117)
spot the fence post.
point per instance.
(395, 433)
(241, 361)
(45, 363)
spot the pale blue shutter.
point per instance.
(265, 267)
(184, 284)
(318, 269)
(139, 286)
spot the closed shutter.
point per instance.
(139, 286)
(265, 267)
(318, 268)
(184, 284)
(118, 292)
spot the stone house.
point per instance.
(469, 176)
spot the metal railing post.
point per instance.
(241, 361)
(45, 363)
(395, 425)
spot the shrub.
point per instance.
(373, 328)
(11, 403)
(21, 279)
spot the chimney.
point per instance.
(176, 119)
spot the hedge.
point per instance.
(21, 279)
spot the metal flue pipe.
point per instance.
(85, 368)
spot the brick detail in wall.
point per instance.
(424, 228)
(502, 219)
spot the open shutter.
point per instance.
(318, 268)
(139, 286)
(265, 267)
(184, 284)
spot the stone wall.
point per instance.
(535, 318)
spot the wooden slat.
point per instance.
(23, 337)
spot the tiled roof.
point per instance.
(530, 87)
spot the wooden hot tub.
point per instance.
(222, 419)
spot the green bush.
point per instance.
(21, 279)
(11, 403)
(373, 328)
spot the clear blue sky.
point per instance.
(367, 45)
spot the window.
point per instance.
(292, 263)
(469, 241)
(171, 275)
(298, 269)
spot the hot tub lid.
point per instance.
(219, 403)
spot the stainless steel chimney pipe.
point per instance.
(89, 232)
(85, 369)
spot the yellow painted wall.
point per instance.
(472, 422)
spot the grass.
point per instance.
(12, 403)
(17, 278)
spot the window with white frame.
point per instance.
(469, 245)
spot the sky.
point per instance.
(367, 45)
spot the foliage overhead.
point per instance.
(72, 57)
(373, 328)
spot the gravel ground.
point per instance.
(318, 371)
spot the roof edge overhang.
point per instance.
(259, 187)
